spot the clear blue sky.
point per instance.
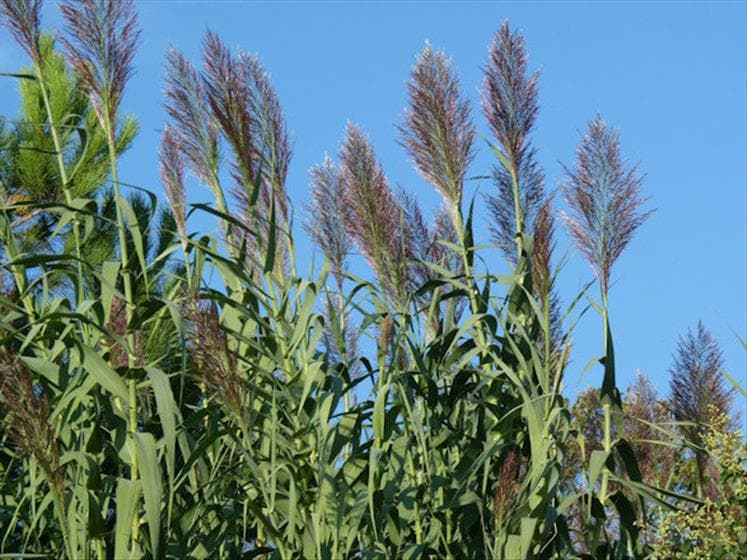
(670, 75)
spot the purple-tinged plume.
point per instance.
(172, 177)
(229, 98)
(510, 93)
(324, 221)
(194, 128)
(509, 103)
(101, 45)
(26, 418)
(23, 20)
(603, 194)
(543, 282)
(373, 217)
(437, 131)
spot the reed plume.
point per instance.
(510, 93)
(26, 419)
(248, 112)
(272, 145)
(543, 280)
(214, 366)
(228, 97)
(194, 130)
(101, 49)
(510, 106)
(603, 194)
(172, 177)
(373, 217)
(324, 221)
(696, 382)
(23, 20)
(698, 393)
(116, 339)
(506, 486)
(437, 130)
(271, 151)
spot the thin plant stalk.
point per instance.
(63, 176)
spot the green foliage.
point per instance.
(716, 529)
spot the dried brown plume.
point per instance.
(25, 409)
(506, 486)
(214, 365)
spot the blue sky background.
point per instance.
(671, 76)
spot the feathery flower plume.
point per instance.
(698, 392)
(509, 93)
(509, 103)
(530, 180)
(172, 177)
(339, 330)
(271, 151)
(373, 217)
(324, 221)
(214, 364)
(248, 111)
(422, 243)
(507, 486)
(437, 131)
(544, 246)
(26, 418)
(603, 193)
(272, 146)
(229, 98)
(696, 381)
(418, 240)
(194, 127)
(23, 20)
(117, 327)
(542, 276)
(643, 411)
(102, 45)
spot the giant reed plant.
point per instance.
(175, 394)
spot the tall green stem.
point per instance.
(607, 441)
(129, 303)
(63, 177)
